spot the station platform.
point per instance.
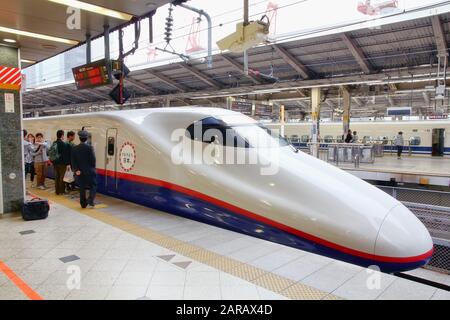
(125, 251)
(408, 169)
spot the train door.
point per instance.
(437, 146)
(111, 182)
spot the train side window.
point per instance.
(305, 138)
(111, 146)
(339, 139)
(328, 139)
(415, 141)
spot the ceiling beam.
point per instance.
(144, 87)
(302, 104)
(329, 103)
(358, 102)
(58, 96)
(239, 67)
(301, 69)
(43, 99)
(302, 93)
(74, 93)
(166, 80)
(439, 36)
(185, 102)
(98, 94)
(357, 53)
(211, 82)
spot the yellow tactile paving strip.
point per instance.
(257, 276)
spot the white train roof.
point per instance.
(138, 115)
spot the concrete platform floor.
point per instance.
(126, 251)
(416, 165)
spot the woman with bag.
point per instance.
(69, 176)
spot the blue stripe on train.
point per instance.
(183, 205)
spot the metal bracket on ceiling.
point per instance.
(88, 48)
(209, 59)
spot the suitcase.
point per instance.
(35, 209)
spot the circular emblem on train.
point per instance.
(127, 156)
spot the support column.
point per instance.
(12, 190)
(315, 117)
(229, 102)
(282, 120)
(346, 105)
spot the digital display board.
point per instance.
(92, 75)
(263, 111)
(243, 107)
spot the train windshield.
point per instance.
(259, 136)
(238, 135)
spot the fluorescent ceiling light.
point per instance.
(95, 9)
(37, 35)
(10, 40)
(27, 61)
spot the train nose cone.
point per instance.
(403, 239)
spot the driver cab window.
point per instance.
(212, 130)
(247, 135)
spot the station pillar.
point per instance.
(346, 106)
(315, 117)
(282, 120)
(12, 190)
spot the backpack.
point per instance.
(53, 153)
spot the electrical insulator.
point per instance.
(169, 26)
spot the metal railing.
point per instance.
(381, 147)
(344, 152)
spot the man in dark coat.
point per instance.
(84, 167)
(60, 164)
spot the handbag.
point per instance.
(68, 176)
(35, 209)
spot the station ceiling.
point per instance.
(49, 18)
(395, 65)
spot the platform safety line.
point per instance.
(19, 283)
(262, 278)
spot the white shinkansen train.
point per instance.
(306, 203)
(430, 137)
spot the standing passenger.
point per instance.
(84, 167)
(40, 160)
(58, 158)
(399, 142)
(349, 137)
(355, 138)
(27, 156)
(69, 146)
(32, 140)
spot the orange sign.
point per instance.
(10, 78)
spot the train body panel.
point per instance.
(420, 131)
(306, 203)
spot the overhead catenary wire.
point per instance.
(257, 14)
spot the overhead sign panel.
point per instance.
(92, 75)
(399, 111)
